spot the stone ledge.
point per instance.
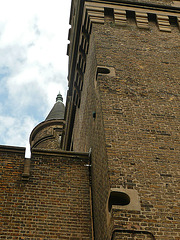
(61, 153)
(12, 149)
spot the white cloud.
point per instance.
(33, 63)
(16, 131)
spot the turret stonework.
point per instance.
(48, 133)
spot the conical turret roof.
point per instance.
(57, 112)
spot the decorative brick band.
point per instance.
(142, 20)
(75, 155)
(163, 23)
(120, 17)
(95, 13)
(12, 149)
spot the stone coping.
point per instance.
(13, 149)
(60, 153)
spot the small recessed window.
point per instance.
(173, 21)
(109, 12)
(103, 70)
(118, 198)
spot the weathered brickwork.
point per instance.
(89, 134)
(121, 179)
(132, 112)
(54, 203)
(141, 119)
(134, 235)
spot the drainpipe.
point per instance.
(91, 195)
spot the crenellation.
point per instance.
(142, 20)
(163, 23)
(120, 15)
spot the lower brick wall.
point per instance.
(134, 235)
(54, 203)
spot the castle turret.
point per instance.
(47, 134)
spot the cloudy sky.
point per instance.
(33, 64)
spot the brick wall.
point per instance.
(54, 203)
(134, 235)
(141, 119)
(89, 134)
(134, 136)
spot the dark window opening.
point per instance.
(173, 21)
(118, 198)
(71, 127)
(109, 12)
(81, 85)
(130, 15)
(77, 78)
(103, 70)
(152, 17)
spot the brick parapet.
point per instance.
(12, 150)
(71, 154)
(53, 203)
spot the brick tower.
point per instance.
(106, 166)
(123, 106)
